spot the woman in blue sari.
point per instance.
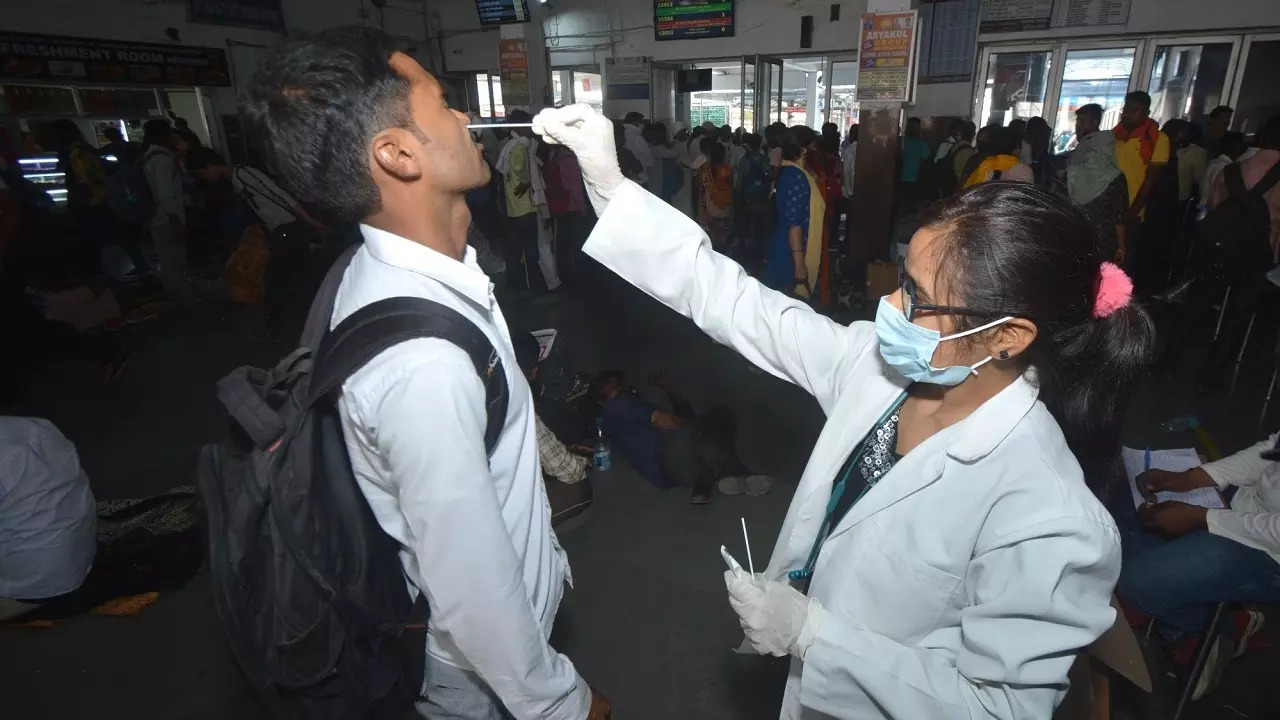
(786, 268)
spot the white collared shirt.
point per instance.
(476, 532)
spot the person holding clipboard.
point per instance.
(943, 556)
(1182, 559)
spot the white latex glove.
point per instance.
(590, 136)
(777, 619)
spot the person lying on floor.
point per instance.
(676, 447)
(1181, 560)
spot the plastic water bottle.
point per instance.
(604, 453)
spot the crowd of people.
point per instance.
(773, 202)
(1157, 198)
(948, 549)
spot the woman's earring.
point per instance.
(1004, 354)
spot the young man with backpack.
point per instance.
(435, 423)
(168, 224)
(753, 202)
(959, 143)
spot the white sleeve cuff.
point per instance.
(812, 626)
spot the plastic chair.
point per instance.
(1271, 389)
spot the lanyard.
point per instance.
(801, 578)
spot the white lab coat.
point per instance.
(963, 583)
(1254, 516)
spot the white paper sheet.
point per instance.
(1174, 461)
(546, 340)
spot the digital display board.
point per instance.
(501, 12)
(692, 19)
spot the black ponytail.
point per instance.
(1014, 249)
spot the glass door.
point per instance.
(1189, 77)
(842, 89)
(803, 92)
(662, 92)
(747, 98)
(1015, 84)
(768, 93)
(1257, 94)
(1100, 76)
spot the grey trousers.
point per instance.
(455, 694)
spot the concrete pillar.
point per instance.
(876, 177)
(536, 46)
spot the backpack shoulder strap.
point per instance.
(1233, 177)
(321, 312)
(1268, 181)
(378, 327)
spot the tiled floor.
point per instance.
(647, 621)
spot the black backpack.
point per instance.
(308, 586)
(1237, 233)
(945, 170)
(129, 194)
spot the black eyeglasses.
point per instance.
(912, 305)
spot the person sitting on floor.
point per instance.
(48, 527)
(564, 471)
(1181, 560)
(675, 447)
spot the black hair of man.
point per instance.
(752, 141)
(157, 132)
(520, 116)
(955, 128)
(1004, 141)
(1219, 111)
(601, 382)
(113, 134)
(1139, 98)
(970, 129)
(634, 118)
(1233, 145)
(315, 104)
(527, 352)
(1092, 110)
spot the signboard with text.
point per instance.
(627, 78)
(513, 67)
(1015, 15)
(501, 12)
(692, 19)
(264, 14)
(948, 40)
(1090, 13)
(885, 56)
(76, 59)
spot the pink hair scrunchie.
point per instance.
(1115, 290)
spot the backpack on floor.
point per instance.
(129, 194)
(1237, 233)
(308, 586)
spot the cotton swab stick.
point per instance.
(490, 126)
(750, 563)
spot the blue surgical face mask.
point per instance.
(909, 348)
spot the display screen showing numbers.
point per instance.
(692, 19)
(500, 12)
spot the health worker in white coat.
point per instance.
(943, 556)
